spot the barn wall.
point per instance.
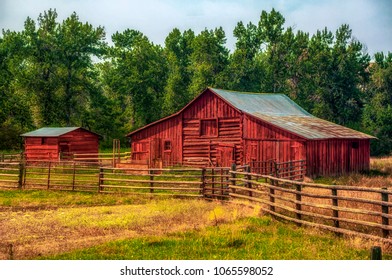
(149, 143)
(223, 145)
(36, 150)
(337, 156)
(80, 141)
(263, 141)
(212, 130)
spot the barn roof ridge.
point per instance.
(279, 110)
(52, 131)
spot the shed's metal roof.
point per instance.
(281, 111)
(49, 131)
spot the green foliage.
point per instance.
(63, 73)
(178, 50)
(139, 73)
(378, 110)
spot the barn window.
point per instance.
(44, 141)
(355, 145)
(209, 127)
(167, 145)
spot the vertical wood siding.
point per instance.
(210, 128)
(77, 141)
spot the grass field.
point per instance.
(69, 225)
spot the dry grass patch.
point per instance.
(39, 233)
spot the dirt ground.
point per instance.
(30, 233)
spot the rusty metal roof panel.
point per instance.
(273, 104)
(281, 111)
(49, 131)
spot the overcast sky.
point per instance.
(370, 20)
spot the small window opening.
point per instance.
(167, 145)
(209, 127)
(355, 145)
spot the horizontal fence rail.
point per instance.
(361, 211)
(293, 170)
(351, 210)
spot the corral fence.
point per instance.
(361, 211)
(105, 159)
(351, 210)
(10, 157)
(293, 170)
(88, 176)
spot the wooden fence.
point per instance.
(293, 170)
(360, 211)
(10, 157)
(87, 176)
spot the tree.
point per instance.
(178, 51)
(243, 72)
(273, 60)
(15, 114)
(208, 60)
(139, 72)
(78, 43)
(377, 117)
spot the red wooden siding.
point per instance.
(263, 141)
(211, 129)
(77, 141)
(337, 156)
(35, 150)
(149, 144)
(209, 124)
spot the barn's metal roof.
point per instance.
(49, 131)
(281, 111)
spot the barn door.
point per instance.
(297, 151)
(64, 150)
(225, 155)
(155, 153)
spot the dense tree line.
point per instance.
(65, 74)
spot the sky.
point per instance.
(370, 20)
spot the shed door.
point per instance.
(225, 155)
(64, 150)
(155, 153)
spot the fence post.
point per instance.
(248, 178)
(21, 178)
(203, 182)
(49, 168)
(213, 181)
(73, 176)
(101, 179)
(10, 251)
(298, 205)
(271, 195)
(385, 210)
(233, 176)
(151, 172)
(335, 203)
(2, 158)
(276, 169)
(376, 253)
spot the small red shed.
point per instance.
(48, 143)
(220, 127)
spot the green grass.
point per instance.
(247, 238)
(44, 198)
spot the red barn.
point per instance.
(49, 142)
(221, 127)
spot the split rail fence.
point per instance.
(361, 211)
